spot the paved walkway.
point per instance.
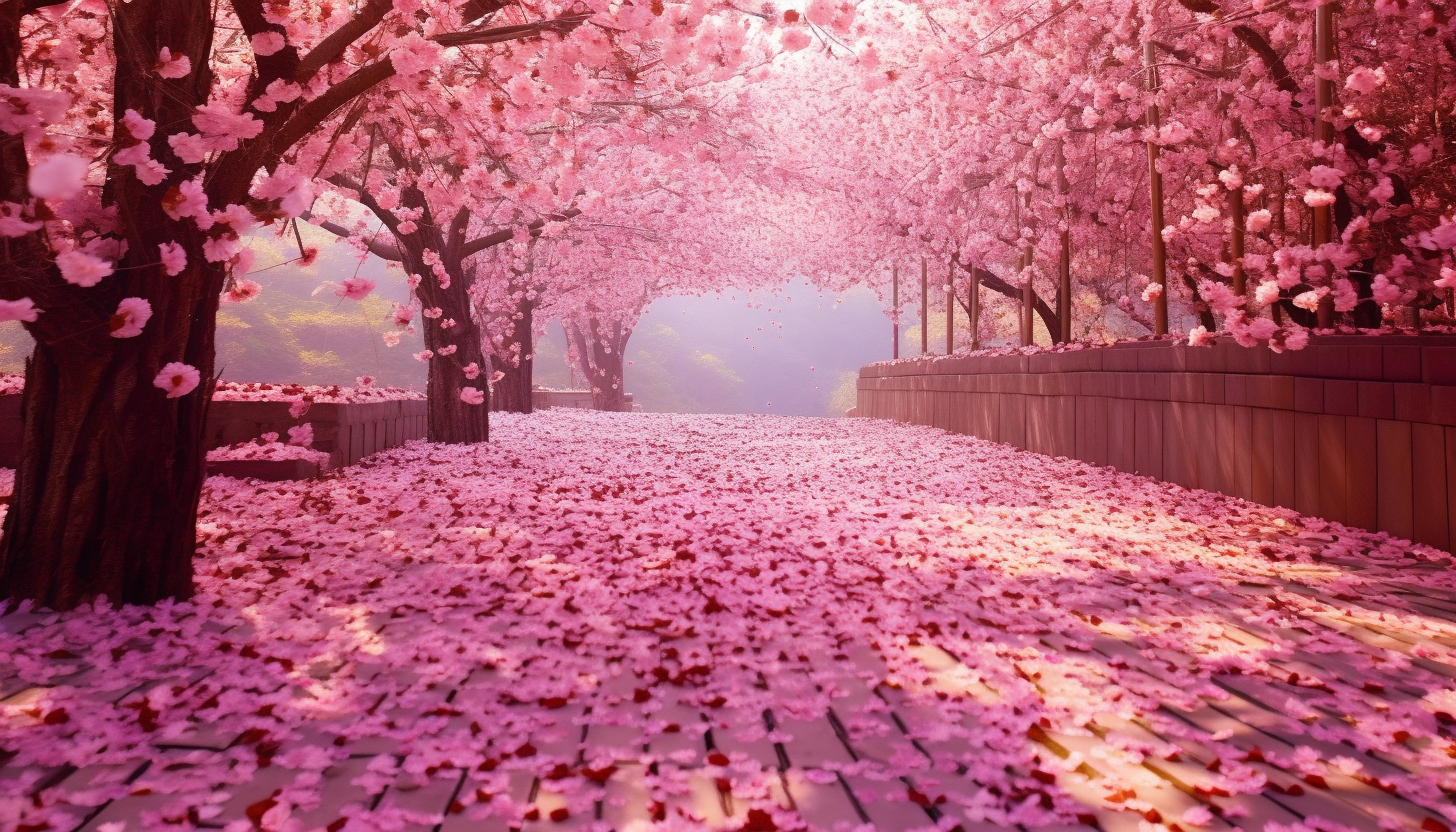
(629, 621)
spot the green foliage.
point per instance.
(845, 393)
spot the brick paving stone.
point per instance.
(492, 802)
(887, 803)
(681, 739)
(742, 735)
(812, 743)
(431, 798)
(627, 800)
(821, 800)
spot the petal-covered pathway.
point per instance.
(612, 621)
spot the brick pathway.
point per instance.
(898, 734)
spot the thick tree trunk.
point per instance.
(107, 488)
(111, 469)
(449, 418)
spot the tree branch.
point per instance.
(377, 248)
(332, 48)
(996, 284)
(505, 235)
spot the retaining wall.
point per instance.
(347, 432)
(574, 399)
(1354, 429)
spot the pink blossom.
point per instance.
(174, 258)
(242, 291)
(472, 395)
(421, 356)
(1365, 80)
(187, 199)
(1152, 292)
(1318, 198)
(1386, 291)
(403, 314)
(12, 223)
(448, 349)
(355, 288)
(1310, 300)
(82, 269)
(189, 147)
(293, 192)
(413, 54)
(1297, 338)
(18, 310)
(59, 176)
(1258, 220)
(1268, 292)
(172, 67)
(215, 120)
(268, 43)
(177, 379)
(793, 40)
(131, 315)
(471, 370)
(1200, 337)
(365, 381)
(137, 127)
(23, 109)
(301, 435)
(1324, 176)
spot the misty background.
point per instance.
(793, 351)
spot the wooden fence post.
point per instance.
(1324, 102)
(1064, 262)
(895, 309)
(1160, 252)
(924, 307)
(950, 302)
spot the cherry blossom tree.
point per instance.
(145, 139)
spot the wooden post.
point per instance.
(950, 302)
(1236, 240)
(1236, 236)
(975, 312)
(1324, 102)
(1064, 262)
(924, 307)
(895, 309)
(1155, 178)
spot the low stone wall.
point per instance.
(347, 432)
(575, 399)
(1360, 430)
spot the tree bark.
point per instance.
(513, 392)
(599, 359)
(111, 469)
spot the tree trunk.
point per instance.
(111, 469)
(516, 360)
(599, 359)
(450, 419)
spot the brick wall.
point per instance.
(347, 432)
(1358, 430)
